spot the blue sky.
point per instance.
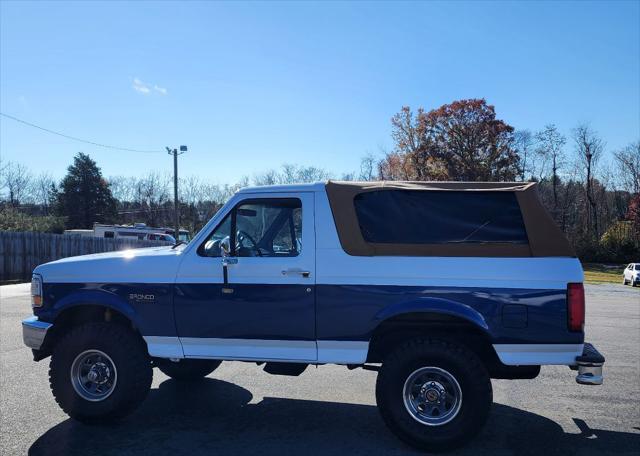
(251, 86)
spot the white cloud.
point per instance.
(140, 87)
(148, 89)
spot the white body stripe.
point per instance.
(164, 347)
(342, 352)
(258, 349)
(538, 354)
(322, 351)
(334, 351)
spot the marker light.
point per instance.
(36, 291)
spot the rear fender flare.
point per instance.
(434, 306)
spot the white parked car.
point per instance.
(631, 274)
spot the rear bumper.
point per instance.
(590, 366)
(34, 332)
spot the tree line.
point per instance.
(592, 193)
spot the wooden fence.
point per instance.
(21, 252)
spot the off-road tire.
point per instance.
(188, 369)
(130, 357)
(467, 370)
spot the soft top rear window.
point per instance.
(439, 217)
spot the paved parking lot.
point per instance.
(239, 409)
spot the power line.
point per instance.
(125, 149)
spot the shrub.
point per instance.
(13, 220)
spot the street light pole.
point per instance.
(176, 207)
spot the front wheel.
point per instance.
(100, 372)
(433, 394)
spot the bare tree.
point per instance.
(368, 165)
(589, 148)
(123, 188)
(16, 182)
(291, 174)
(310, 174)
(192, 196)
(269, 177)
(3, 166)
(524, 143)
(151, 194)
(550, 150)
(628, 164)
(43, 188)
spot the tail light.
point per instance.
(575, 306)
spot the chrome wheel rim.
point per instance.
(432, 396)
(93, 375)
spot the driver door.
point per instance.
(263, 306)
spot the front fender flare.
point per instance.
(95, 298)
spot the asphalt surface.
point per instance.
(239, 409)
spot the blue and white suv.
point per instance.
(438, 286)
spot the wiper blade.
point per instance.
(177, 244)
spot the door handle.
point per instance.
(296, 271)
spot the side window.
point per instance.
(108, 234)
(439, 217)
(259, 228)
(268, 228)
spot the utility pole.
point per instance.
(176, 207)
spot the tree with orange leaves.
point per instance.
(462, 140)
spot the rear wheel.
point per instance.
(100, 372)
(433, 394)
(624, 281)
(188, 369)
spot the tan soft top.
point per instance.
(545, 238)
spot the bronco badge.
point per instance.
(139, 297)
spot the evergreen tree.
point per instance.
(84, 196)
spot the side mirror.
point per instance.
(225, 247)
(225, 250)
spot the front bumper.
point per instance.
(589, 366)
(34, 331)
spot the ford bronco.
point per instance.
(439, 287)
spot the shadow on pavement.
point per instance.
(215, 417)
